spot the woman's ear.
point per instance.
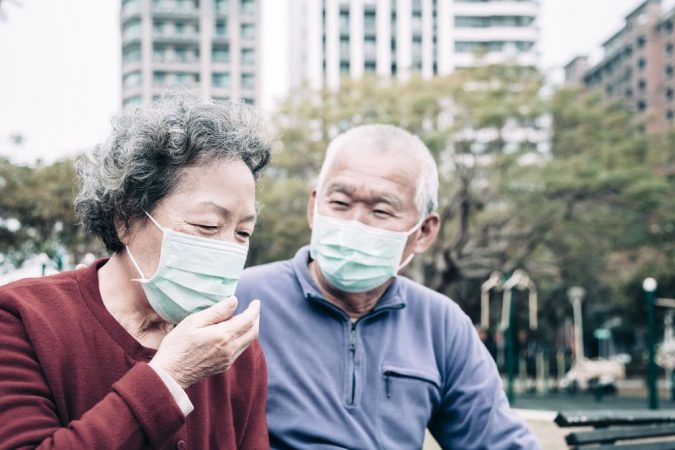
(122, 231)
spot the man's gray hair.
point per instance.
(144, 158)
(379, 137)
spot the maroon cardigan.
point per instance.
(72, 378)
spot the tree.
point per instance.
(36, 211)
(581, 210)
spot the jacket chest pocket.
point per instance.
(407, 399)
(406, 379)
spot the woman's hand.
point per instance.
(208, 342)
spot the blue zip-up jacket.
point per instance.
(414, 362)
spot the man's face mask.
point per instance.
(193, 273)
(355, 257)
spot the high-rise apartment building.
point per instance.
(395, 38)
(212, 46)
(637, 65)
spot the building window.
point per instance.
(220, 55)
(247, 56)
(221, 80)
(247, 31)
(642, 84)
(221, 28)
(417, 53)
(669, 93)
(369, 24)
(629, 93)
(344, 67)
(131, 53)
(247, 81)
(641, 41)
(669, 71)
(129, 6)
(641, 63)
(369, 48)
(159, 78)
(131, 29)
(222, 6)
(186, 79)
(248, 6)
(670, 115)
(132, 79)
(181, 54)
(370, 66)
(642, 105)
(344, 22)
(132, 101)
(669, 48)
(158, 54)
(344, 48)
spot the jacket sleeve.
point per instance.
(474, 412)
(255, 435)
(138, 410)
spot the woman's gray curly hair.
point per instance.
(144, 157)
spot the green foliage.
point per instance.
(594, 208)
(36, 208)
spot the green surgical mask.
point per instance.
(193, 273)
(355, 257)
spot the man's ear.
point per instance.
(310, 208)
(427, 233)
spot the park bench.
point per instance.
(620, 429)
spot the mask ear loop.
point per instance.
(412, 255)
(131, 257)
(138, 268)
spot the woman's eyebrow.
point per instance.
(226, 212)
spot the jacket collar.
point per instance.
(391, 299)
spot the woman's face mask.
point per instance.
(355, 257)
(193, 273)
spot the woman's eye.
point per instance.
(206, 228)
(382, 213)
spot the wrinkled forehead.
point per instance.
(389, 171)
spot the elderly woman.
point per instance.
(142, 350)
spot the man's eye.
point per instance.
(244, 234)
(339, 203)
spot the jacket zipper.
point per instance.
(352, 349)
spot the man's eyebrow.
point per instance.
(341, 188)
(380, 197)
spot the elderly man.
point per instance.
(360, 357)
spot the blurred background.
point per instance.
(552, 122)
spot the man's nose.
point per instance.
(361, 214)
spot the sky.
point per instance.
(60, 64)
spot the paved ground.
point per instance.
(538, 411)
(550, 436)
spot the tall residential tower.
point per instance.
(212, 46)
(394, 38)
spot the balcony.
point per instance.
(501, 8)
(176, 38)
(175, 10)
(496, 34)
(130, 9)
(131, 35)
